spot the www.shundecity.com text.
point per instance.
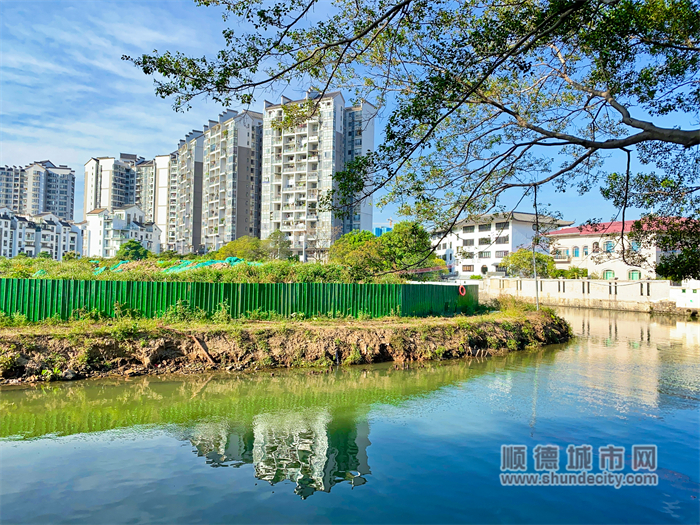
(579, 466)
(579, 479)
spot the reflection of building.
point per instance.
(641, 359)
(310, 448)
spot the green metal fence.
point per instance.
(43, 298)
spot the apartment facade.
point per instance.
(144, 193)
(37, 188)
(170, 222)
(477, 247)
(45, 232)
(231, 180)
(188, 202)
(110, 182)
(599, 250)
(13, 188)
(298, 168)
(106, 230)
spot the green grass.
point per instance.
(152, 270)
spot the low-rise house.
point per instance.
(108, 229)
(599, 250)
(477, 247)
(33, 234)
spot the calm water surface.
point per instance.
(366, 444)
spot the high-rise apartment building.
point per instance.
(38, 188)
(298, 167)
(110, 182)
(231, 178)
(144, 193)
(169, 232)
(13, 188)
(188, 205)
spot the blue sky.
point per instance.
(66, 95)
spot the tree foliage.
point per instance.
(275, 247)
(278, 246)
(246, 247)
(132, 251)
(486, 98)
(407, 246)
(519, 264)
(679, 241)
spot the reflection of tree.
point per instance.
(310, 447)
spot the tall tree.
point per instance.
(486, 98)
(519, 264)
(278, 246)
(132, 250)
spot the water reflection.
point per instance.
(310, 447)
(631, 358)
(625, 373)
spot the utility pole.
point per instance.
(535, 240)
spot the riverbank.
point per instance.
(131, 347)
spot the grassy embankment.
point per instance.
(182, 343)
(152, 270)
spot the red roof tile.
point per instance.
(599, 229)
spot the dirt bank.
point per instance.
(128, 347)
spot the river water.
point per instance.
(369, 444)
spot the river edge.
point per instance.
(127, 348)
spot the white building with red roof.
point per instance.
(598, 248)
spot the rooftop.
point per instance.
(602, 228)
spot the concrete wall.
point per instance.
(642, 296)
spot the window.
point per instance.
(576, 251)
(484, 255)
(468, 229)
(501, 226)
(484, 241)
(502, 253)
(444, 245)
(634, 275)
(596, 247)
(467, 267)
(585, 251)
(484, 227)
(634, 246)
(609, 246)
(608, 274)
(503, 239)
(468, 242)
